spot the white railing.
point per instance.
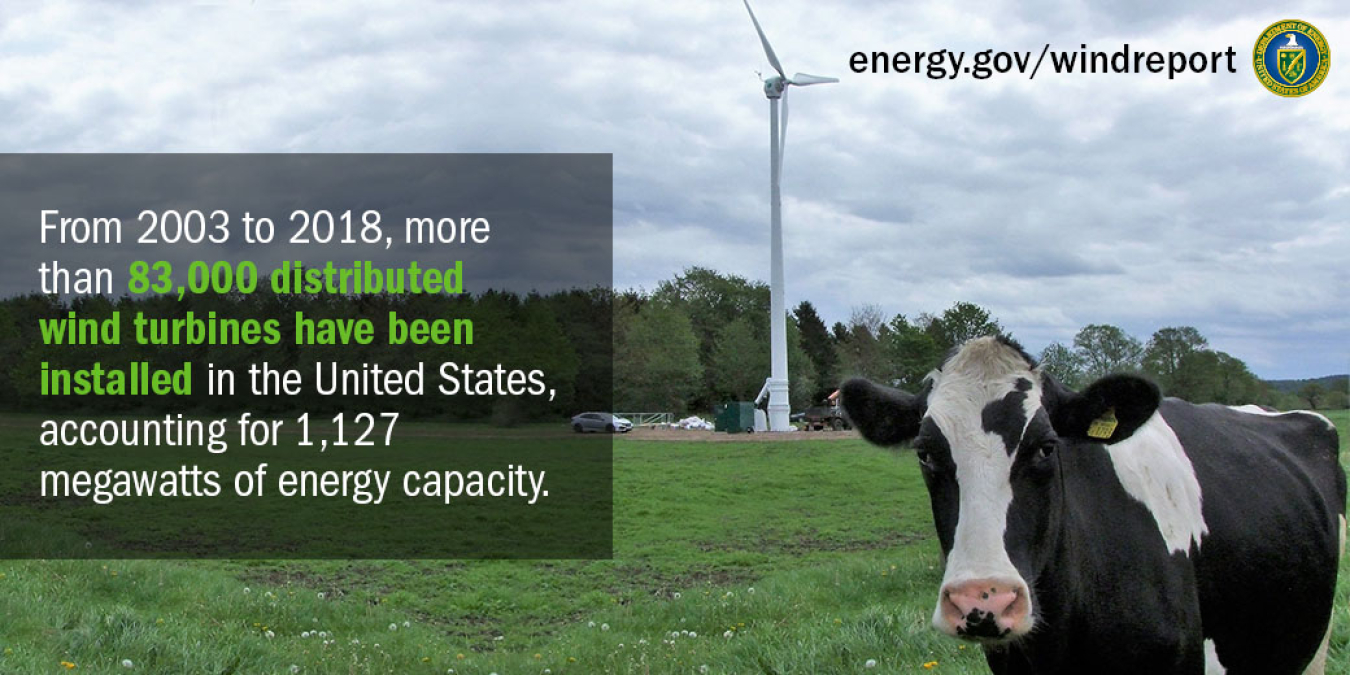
(647, 418)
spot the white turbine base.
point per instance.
(779, 407)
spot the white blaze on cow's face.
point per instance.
(979, 407)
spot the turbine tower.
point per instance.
(776, 89)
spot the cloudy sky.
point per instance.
(1071, 199)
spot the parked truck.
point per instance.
(827, 415)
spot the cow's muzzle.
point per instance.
(984, 609)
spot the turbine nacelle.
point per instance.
(776, 85)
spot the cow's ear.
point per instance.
(885, 416)
(1109, 410)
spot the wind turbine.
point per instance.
(776, 88)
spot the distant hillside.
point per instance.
(1330, 383)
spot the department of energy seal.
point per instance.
(1291, 58)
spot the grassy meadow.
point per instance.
(811, 556)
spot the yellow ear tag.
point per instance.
(1103, 426)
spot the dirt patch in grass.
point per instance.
(280, 577)
(810, 543)
(478, 628)
(334, 583)
(666, 434)
(655, 582)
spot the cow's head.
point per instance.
(989, 430)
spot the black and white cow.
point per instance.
(1181, 540)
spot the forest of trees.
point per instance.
(702, 338)
(694, 341)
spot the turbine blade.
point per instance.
(782, 134)
(804, 80)
(768, 49)
(782, 137)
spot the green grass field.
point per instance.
(737, 557)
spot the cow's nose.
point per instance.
(986, 608)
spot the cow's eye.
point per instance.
(925, 458)
(1044, 450)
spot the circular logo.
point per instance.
(1291, 58)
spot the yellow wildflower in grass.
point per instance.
(930, 665)
(571, 659)
(538, 656)
(459, 655)
(426, 659)
(67, 665)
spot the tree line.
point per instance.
(703, 337)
